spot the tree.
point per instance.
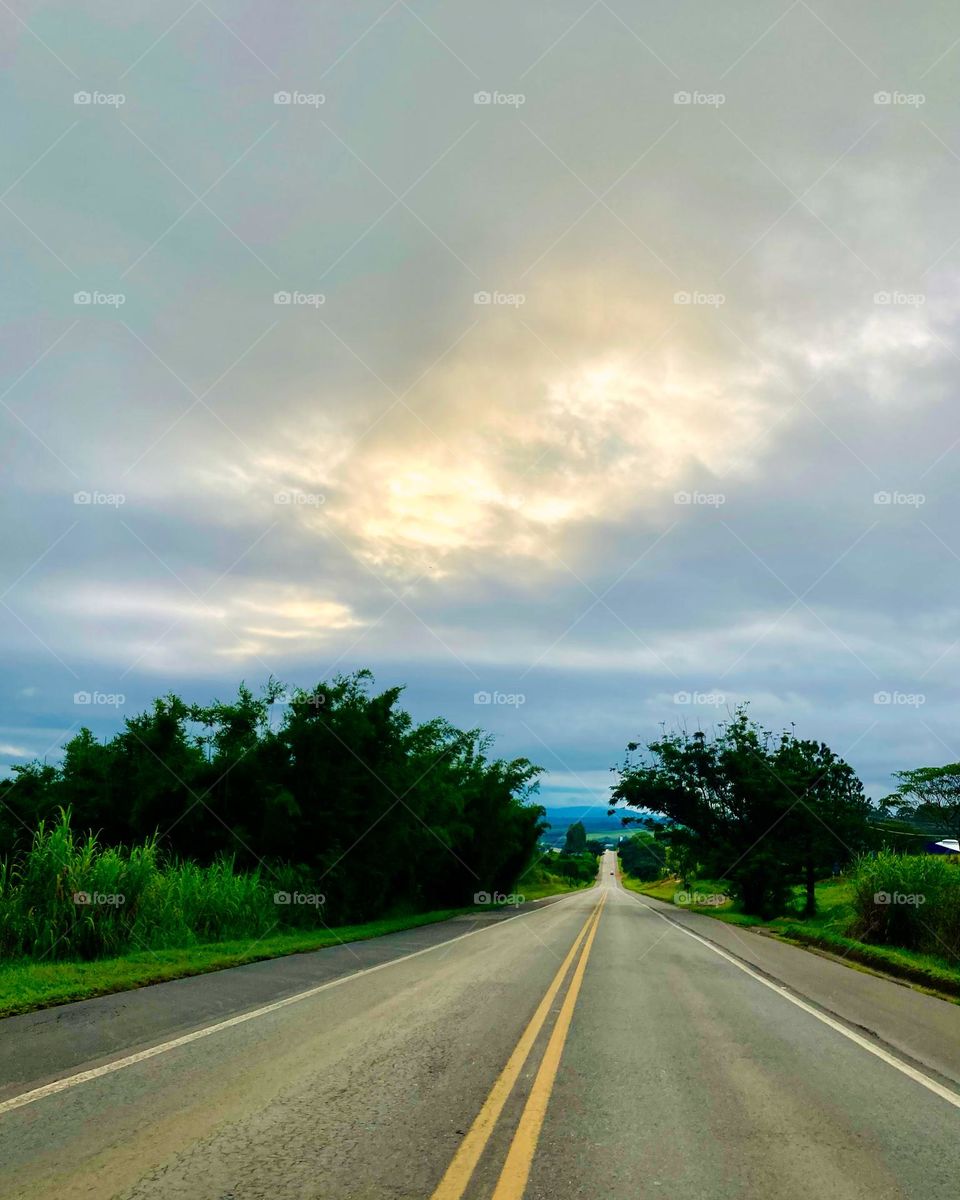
(829, 818)
(928, 794)
(760, 812)
(344, 795)
(576, 839)
(641, 856)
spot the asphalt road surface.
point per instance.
(593, 1047)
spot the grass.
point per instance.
(825, 931)
(549, 885)
(27, 984)
(661, 889)
(68, 897)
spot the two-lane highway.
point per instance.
(591, 1047)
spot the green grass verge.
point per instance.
(662, 889)
(927, 970)
(825, 931)
(550, 885)
(27, 985)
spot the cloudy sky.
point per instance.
(616, 382)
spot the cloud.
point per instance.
(714, 334)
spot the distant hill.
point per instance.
(594, 818)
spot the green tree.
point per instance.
(759, 811)
(641, 856)
(930, 795)
(576, 839)
(335, 790)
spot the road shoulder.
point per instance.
(921, 1028)
(43, 1045)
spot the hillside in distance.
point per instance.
(594, 818)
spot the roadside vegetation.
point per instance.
(204, 835)
(30, 983)
(776, 832)
(832, 929)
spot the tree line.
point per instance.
(343, 789)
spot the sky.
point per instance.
(586, 367)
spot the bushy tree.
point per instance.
(344, 790)
(930, 795)
(576, 839)
(642, 856)
(760, 811)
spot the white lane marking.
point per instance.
(70, 1081)
(891, 1060)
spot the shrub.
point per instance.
(69, 897)
(908, 900)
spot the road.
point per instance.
(592, 1047)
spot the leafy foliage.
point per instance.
(759, 811)
(336, 787)
(909, 900)
(930, 795)
(642, 856)
(582, 867)
(576, 839)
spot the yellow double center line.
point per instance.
(516, 1169)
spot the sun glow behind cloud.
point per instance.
(513, 448)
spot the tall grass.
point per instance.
(908, 900)
(69, 897)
